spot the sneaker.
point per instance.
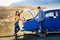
(42, 35)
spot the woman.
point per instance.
(17, 28)
(17, 18)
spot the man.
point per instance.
(40, 16)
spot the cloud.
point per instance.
(7, 2)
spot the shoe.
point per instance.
(21, 29)
(42, 35)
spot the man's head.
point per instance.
(39, 8)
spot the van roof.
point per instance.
(52, 9)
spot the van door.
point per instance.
(51, 21)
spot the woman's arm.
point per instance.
(21, 12)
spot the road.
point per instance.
(33, 37)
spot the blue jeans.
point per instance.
(17, 28)
(39, 30)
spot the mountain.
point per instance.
(36, 2)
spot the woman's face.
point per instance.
(17, 13)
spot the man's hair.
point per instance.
(38, 7)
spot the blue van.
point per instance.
(51, 24)
(52, 21)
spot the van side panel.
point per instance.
(52, 24)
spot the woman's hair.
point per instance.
(18, 13)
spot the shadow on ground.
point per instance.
(34, 37)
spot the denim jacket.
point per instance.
(40, 15)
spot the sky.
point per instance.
(31, 2)
(38, 2)
(7, 2)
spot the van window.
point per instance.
(52, 14)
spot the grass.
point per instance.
(7, 27)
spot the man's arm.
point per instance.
(36, 15)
